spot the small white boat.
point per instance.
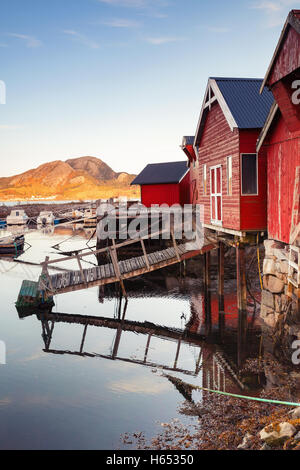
(77, 214)
(45, 218)
(90, 217)
(17, 217)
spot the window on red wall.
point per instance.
(229, 176)
(204, 180)
(249, 174)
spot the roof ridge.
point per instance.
(237, 78)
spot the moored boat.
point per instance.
(17, 217)
(90, 217)
(46, 218)
(10, 244)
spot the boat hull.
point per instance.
(12, 247)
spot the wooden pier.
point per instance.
(115, 271)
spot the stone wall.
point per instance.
(276, 303)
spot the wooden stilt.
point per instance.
(147, 348)
(207, 294)
(83, 339)
(177, 354)
(221, 289)
(241, 301)
(114, 258)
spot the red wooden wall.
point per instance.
(282, 145)
(288, 58)
(283, 151)
(217, 143)
(166, 193)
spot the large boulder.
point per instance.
(276, 434)
(295, 413)
(267, 299)
(273, 284)
(269, 266)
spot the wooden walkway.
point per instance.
(116, 271)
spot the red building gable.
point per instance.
(229, 176)
(279, 140)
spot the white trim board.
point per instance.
(212, 86)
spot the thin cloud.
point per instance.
(82, 39)
(7, 127)
(126, 3)
(216, 29)
(121, 23)
(30, 41)
(151, 7)
(158, 41)
(275, 10)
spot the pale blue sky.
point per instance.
(122, 80)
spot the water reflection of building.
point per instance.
(212, 365)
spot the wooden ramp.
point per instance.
(116, 271)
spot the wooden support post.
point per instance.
(177, 353)
(221, 289)
(46, 273)
(147, 348)
(241, 301)
(81, 270)
(145, 254)
(117, 342)
(114, 258)
(207, 294)
(197, 370)
(83, 339)
(175, 245)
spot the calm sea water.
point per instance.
(84, 396)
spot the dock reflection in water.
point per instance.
(199, 349)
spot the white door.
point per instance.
(216, 194)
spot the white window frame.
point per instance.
(204, 179)
(241, 166)
(229, 158)
(213, 221)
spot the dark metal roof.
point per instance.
(249, 109)
(189, 140)
(162, 173)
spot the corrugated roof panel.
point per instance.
(162, 173)
(249, 109)
(189, 140)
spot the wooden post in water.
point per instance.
(207, 296)
(221, 288)
(115, 261)
(241, 301)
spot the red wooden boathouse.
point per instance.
(230, 176)
(280, 137)
(164, 183)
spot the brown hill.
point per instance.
(94, 167)
(80, 178)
